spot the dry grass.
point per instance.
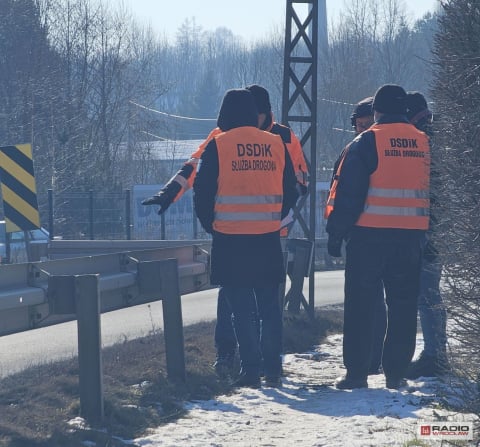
(36, 404)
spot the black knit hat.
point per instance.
(238, 109)
(363, 108)
(417, 108)
(391, 99)
(262, 98)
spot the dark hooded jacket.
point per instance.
(360, 163)
(421, 117)
(242, 260)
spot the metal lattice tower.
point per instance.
(299, 104)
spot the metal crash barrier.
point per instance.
(30, 297)
(157, 279)
(83, 287)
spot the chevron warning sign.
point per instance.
(19, 193)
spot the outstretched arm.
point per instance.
(182, 181)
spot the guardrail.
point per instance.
(84, 278)
(33, 295)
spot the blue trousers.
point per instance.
(396, 264)
(432, 312)
(379, 328)
(257, 321)
(225, 339)
(433, 315)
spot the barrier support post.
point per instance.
(172, 319)
(87, 303)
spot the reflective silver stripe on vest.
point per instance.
(181, 180)
(399, 193)
(249, 200)
(395, 210)
(239, 216)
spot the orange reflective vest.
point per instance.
(291, 142)
(250, 181)
(294, 150)
(398, 194)
(187, 183)
(333, 187)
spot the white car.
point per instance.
(20, 242)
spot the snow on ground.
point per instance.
(309, 411)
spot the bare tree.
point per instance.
(107, 61)
(27, 83)
(372, 43)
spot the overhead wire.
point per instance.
(170, 115)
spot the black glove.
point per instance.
(334, 246)
(161, 199)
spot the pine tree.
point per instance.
(457, 98)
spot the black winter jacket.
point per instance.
(245, 260)
(352, 189)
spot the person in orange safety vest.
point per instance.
(182, 181)
(381, 209)
(433, 359)
(244, 186)
(361, 119)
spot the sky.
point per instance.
(250, 19)
(309, 411)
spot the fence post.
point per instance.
(127, 215)
(162, 227)
(87, 303)
(195, 222)
(50, 214)
(90, 213)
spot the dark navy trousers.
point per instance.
(257, 321)
(371, 264)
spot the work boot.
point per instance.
(273, 381)
(349, 383)
(393, 383)
(428, 366)
(224, 366)
(249, 381)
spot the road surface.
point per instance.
(43, 345)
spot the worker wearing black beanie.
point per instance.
(390, 99)
(380, 207)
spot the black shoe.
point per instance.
(273, 382)
(349, 383)
(395, 384)
(428, 366)
(224, 366)
(247, 381)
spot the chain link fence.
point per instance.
(120, 216)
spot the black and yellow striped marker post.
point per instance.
(19, 193)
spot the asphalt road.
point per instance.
(43, 345)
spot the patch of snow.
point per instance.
(309, 411)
